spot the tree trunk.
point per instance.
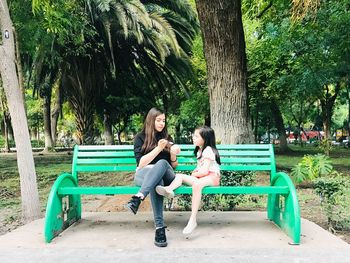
(56, 113)
(108, 133)
(6, 136)
(82, 89)
(47, 122)
(19, 67)
(327, 106)
(25, 160)
(7, 119)
(348, 128)
(277, 115)
(224, 46)
(256, 125)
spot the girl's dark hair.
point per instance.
(150, 131)
(208, 136)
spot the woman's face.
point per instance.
(159, 123)
(197, 139)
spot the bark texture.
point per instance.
(25, 160)
(108, 131)
(224, 47)
(277, 115)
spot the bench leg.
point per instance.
(283, 209)
(61, 211)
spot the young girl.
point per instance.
(206, 173)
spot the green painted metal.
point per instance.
(283, 207)
(105, 147)
(181, 190)
(105, 168)
(75, 162)
(243, 153)
(105, 154)
(107, 161)
(245, 160)
(273, 161)
(60, 213)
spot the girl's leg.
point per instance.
(197, 187)
(168, 191)
(180, 179)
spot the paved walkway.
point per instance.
(220, 236)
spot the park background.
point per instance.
(257, 72)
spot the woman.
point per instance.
(155, 156)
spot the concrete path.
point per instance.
(220, 236)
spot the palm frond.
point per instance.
(103, 5)
(165, 29)
(181, 7)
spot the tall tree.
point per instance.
(6, 118)
(25, 160)
(224, 47)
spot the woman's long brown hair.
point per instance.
(150, 131)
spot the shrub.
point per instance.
(221, 202)
(335, 200)
(311, 167)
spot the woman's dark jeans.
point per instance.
(148, 178)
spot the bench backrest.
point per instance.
(112, 158)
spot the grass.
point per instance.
(340, 158)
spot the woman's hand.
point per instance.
(162, 143)
(175, 149)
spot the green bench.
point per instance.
(64, 204)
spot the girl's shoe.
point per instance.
(189, 228)
(161, 190)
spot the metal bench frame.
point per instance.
(64, 203)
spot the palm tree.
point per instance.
(135, 40)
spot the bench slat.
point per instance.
(182, 190)
(228, 160)
(231, 147)
(180, 167)
(245, 167)
(107, 161)
(99, 168)
(180, 159)
(182, 153)
(105, 147)
(183, 146)
(106, 154)
(224, 153)
(245, 160)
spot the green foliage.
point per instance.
(326, 146)
(291, 62)
(311, 167)
(221, 202)
(335, 200)
(2, 142)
